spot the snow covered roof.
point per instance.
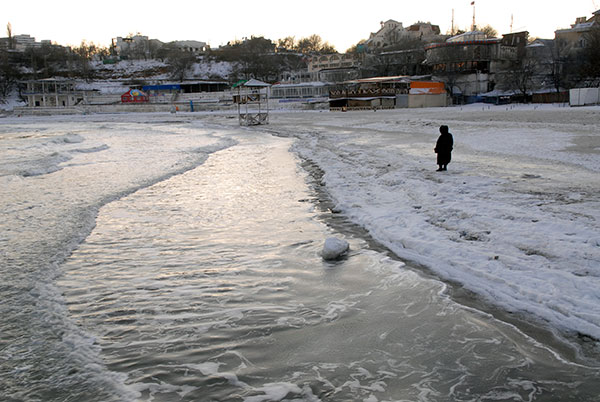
(59, 80)
(396, 78)
(468, 36)
(191, 82)
(584, 26)
(302, 84)
(255, 83)
(497, 92)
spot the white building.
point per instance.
(52, 92)
(301, 90)
(192, 46)
(131, 44)
(423, 31)
(390, 32)
(140, 45)
(22, 42)
(336, 62)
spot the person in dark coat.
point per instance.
(443, 148)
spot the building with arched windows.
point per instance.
(334, 67)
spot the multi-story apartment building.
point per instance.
(573, 39)
(21, 43)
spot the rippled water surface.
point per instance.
(208, 286)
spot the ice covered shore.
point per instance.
(516, 218)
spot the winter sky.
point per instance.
(341, 23)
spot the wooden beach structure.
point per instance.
(252, 99)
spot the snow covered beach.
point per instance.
(175, 256)
(516, 218)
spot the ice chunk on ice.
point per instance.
(334, 248)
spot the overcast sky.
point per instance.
(341, 23)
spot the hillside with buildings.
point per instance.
(473, 66)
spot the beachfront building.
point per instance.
(387, 93)
(302, 94)
(303, 90)
(470, 63)
(171, 92)
(465, 53)
(401, 62)
(295, 76)
(52, 92)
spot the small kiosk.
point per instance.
(252, 99)
(134, 96)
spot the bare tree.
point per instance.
(314, 44)
(521, 76)
(85, 53)
(590, 57)
(258, 59)
(311, 44)
(179, 61)
(140, 50)
(287, 43)
(9, 74)
(327, 48)
(489, 31)
(558, 67)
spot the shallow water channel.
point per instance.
(209, 286)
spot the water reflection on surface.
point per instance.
(209, 286)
